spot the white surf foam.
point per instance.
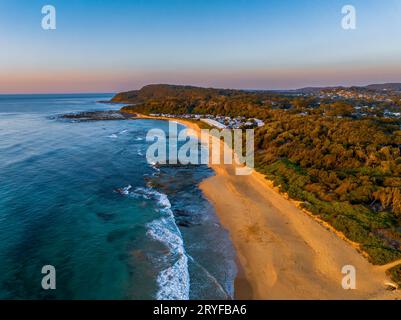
(161, 199)
(154, 166)
(126, 190)
(174, 281)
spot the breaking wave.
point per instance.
(173, 281)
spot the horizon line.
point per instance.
(205, 87)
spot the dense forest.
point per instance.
(344, 167)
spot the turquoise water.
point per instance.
(58, 206)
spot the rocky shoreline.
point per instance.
(98, 116)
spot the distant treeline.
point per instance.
(345, 169)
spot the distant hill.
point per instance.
(376, 87)
(311, 90)
(160, 91)
(385, 86)
(157, 91)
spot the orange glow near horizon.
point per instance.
(76, 81)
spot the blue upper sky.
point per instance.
(107, 45)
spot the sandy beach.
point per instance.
(284, 252)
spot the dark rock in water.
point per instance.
(185, 218)
(106, 216)
(117, 235)
(98, 116)
(185, 224)
(139, 255)
(152, 183)
(181, 213)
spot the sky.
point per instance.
(112, 46)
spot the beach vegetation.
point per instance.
(395, 274)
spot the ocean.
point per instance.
(80, 196)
